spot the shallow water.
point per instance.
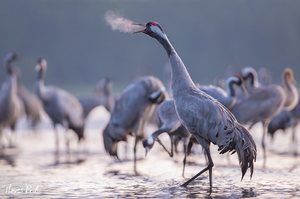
(32, 171)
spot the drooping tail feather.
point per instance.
(242, 143)
(110, 145)
(246, 150)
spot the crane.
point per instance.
(11, 107)
(62, 107)
(203, 116)
(132, 109)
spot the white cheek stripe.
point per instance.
(157, 30)
(150, 140)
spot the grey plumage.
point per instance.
(62, 107)
(203, 116)
(262, 103)
(10, 105)
(226, 97)
(103, 97)
(286, 120)
(131, 110)
(281, 121)
(170, 123)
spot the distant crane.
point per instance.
(103, 97)
(132, 109)
(263, 102)
(286, 120)
(203, 116)
(11, 107)
(62, 107)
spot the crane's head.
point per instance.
(148, 144)
(9, 57)
(236, 79)
(288, 75)
(250, 73)
(153, 29)
(104, 87)
(41, 64)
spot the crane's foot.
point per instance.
(209, 190)
(136, 173)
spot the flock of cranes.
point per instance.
(191, 113)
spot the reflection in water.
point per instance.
(95, 174)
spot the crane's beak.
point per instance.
(146, 151)
(141, 28)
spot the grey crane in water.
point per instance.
(263, 101)
(104, 97)
(203, 116)
(286, 120)
(11, 107)
(62, 107)
(170, 123)
(132, 109)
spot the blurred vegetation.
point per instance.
(212, 37)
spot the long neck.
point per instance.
(8, 67)
(13, 84)
(254, 80)
(230, 89)
(40, 86)
(287, 84)
(181, 79)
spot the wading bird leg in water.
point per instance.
(56, 141)
(184, 159)
(209, 167)
(294, 141)
(67, 140)
(263, 142)
(134, 153)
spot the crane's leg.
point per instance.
(12, 136)
(209, 168)
(1, 140)
(185, 145)
(190, 145)
(165, 148)
(172, 145)
(67, 140)
(56, 140)
(134, 153)
(294, 140)
(263, 143)
(126, 150)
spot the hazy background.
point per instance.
(210, 36)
